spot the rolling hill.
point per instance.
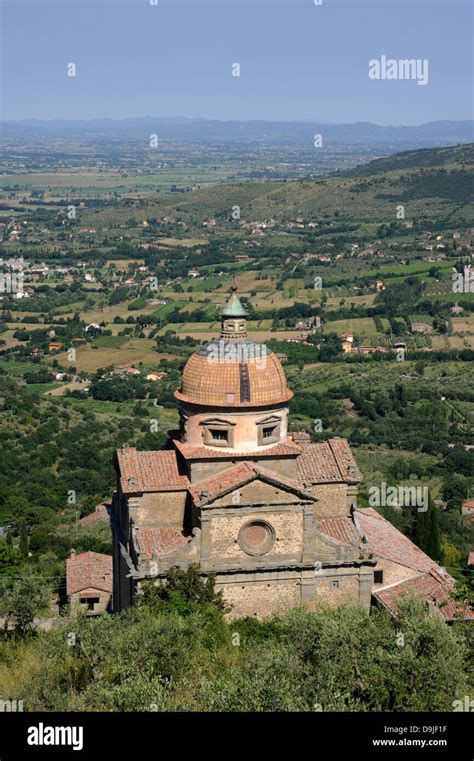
(432, 183)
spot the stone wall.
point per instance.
(260, 595)
(101, 606)
(393, 572)
(257, 493)
(333, 500)
(199, 470)
(337, 587)
(160, 509)
(288, 527)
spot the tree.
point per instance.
(426, 531)
(22, 600)
(340, 658)
(182, 591)
(434, 542)
(23, 539)
(450, 555)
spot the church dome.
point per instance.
(233, 371)
(226, 373)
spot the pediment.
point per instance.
(260, 492)
(216, 421)
(251, 484)
(271, 420)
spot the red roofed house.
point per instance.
(89, 581)
(467, 509)
(273, 516)
(100, 514)
(124, 369)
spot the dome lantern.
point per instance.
(234, 318)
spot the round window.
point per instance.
(256, 537)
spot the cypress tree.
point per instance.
(421, 530)
(434, 549)
(426, 532)
(23, 539)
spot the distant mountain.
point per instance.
(263, 132)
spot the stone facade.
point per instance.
(273, 517)
(89, 582)
(294, 564)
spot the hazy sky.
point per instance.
(298, 61)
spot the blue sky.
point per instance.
(298, 61)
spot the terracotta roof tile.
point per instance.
(197, 452)
(150, 471)
(89, 570)
(238, 475)
(327, 462)
(345, 459)
(99, 514)
(341, 530)
(212, 376)
(224, 481)
(159, 541)
(388, 542)
(434, 587)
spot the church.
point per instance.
(271, 514)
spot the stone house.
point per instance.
(89, 581)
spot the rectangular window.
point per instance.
(378, 577)
(335, 583)
(269, 431)
(219, 435)
(89, 602)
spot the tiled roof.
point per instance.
(243, 473)
(327, 462)
(197, 452)
(345, 459)
(248, 376)
(388, 542)
(434, 587)
(150, 471)
(89, 570)
(158, 541)
(221, 483)
(99, 514)
(341, 530)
